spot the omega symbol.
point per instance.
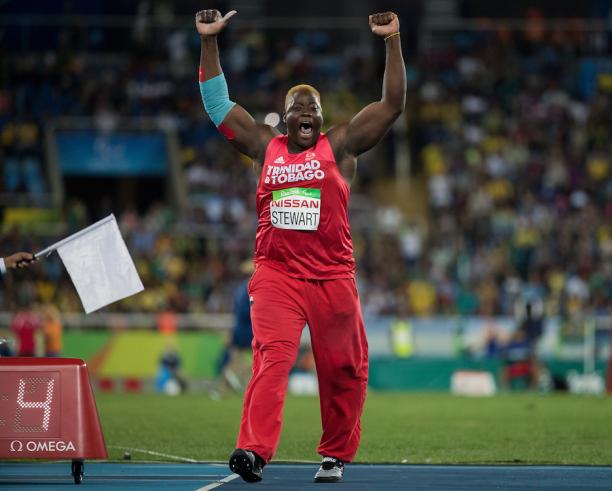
(16, 446)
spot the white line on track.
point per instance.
(220, 482)
(157, 454)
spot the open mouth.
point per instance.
(305, 128)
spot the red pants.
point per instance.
(280, 307)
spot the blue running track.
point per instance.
(103, 476)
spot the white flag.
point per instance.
(99, 264)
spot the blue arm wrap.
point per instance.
(215, 97)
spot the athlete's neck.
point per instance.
(294, 148)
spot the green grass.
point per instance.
(397, 427)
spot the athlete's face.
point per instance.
(304, 118)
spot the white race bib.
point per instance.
(296, 208)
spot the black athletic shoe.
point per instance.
(248, 465)
(331, 470)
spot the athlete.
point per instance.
(304, 266)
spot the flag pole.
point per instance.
(49, 250)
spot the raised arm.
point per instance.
(236, 124)
(368, 126)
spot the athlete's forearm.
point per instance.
(237, 125)
(213, 87)
(394, 81)
(210, 66)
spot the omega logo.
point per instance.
(38, 446)
(16, 446)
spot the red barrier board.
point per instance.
(48, 410)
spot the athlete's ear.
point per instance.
(284, 117)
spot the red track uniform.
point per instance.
(304, 273)
(24, 326)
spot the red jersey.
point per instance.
(302, 206)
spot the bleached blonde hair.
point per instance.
(297, 88)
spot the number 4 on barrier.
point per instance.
(29, 386)
(48, 411)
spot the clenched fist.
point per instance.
(384, 24)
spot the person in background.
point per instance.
(169, 379)
(52, 330)
(25, 323)
(232, 365)
(5, 344)
(24, 326)
(534, 323)
(519, 357)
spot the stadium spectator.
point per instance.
(512, 153)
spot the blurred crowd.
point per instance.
(513, 134)
(188, 260)
(509, 131)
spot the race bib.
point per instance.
(296, 208)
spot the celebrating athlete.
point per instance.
(304, 265)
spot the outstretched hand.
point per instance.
(384, 24)
(19, 260)
(210, 22)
